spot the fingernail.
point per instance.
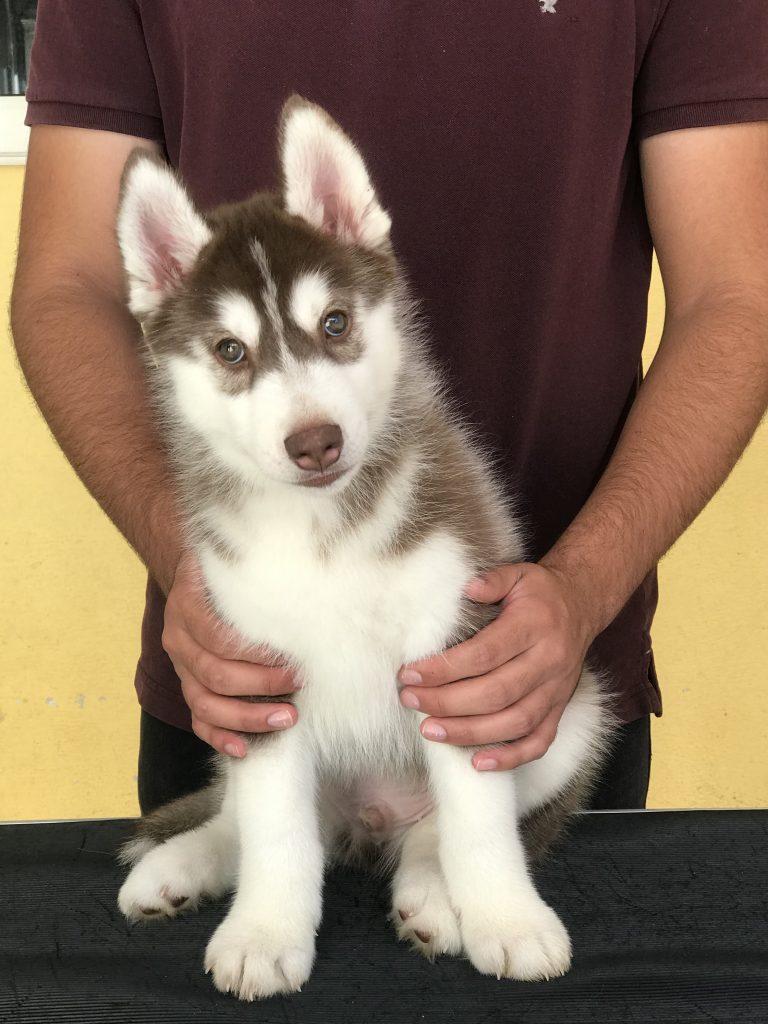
(233, 750)
(280, 720)
(408, 677)
(410, 700)
(433, 731)
(486, 764)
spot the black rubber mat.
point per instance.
(668, 912)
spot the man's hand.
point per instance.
(512, 680)
(216, 669)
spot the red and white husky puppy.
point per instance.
(338, 510)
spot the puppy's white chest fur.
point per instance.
(347, 616)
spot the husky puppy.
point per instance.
(338, 509)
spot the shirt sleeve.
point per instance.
(706, 64)
(90, 69)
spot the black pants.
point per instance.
(173, 762)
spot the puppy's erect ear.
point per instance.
(324, 178)
(159, 231)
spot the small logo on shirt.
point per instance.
(548, 6)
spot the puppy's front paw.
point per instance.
(255, 959)
(528, 943)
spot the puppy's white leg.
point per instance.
(506, 927)
(266, 944)
(173, 877)
(421, 910)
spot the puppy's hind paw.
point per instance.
(423, 915)
(142, 899)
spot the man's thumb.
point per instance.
(494, 585)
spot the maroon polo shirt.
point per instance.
(503, 138)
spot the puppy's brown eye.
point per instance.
(230, 351)
(335, 324)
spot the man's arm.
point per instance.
(76, 341)
(79, 349)
(706, 193)
(707, 198)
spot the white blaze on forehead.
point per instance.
(309, 299)
(237, 316)
(269, 289)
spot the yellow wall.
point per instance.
(70, 608)
(711, 640)
(71, 598)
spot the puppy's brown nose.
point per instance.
(316, 448)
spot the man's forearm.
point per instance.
(697, 409)
(79, 350)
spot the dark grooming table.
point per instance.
(668, 912)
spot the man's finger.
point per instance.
(229, 743)
(512, 723)
(485, 651)
(239, 678)
(225, 642)
(494, 585)
(523, 751)
(236, 715)
(485, 695)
